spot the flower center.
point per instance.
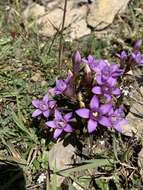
(105, 89)
(113, 118)
(61, 124)
(43, 107)
(95, 114)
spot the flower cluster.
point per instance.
(89, 93)
(134, 57)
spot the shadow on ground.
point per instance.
(11, 177)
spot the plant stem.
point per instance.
(61, 36)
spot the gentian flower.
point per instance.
(76, 60)
(95, 114)
(117, 119)
(137, 45)
(95, 64)
(60, 123)
(106, 91)
(43, 106)
(122, 56)
(137, 57)
(62, 86)
(108, 75)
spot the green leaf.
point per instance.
(90, 164)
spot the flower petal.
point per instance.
(91, 125)
(68, 128)
(83, 112)
(99, 79)
(107, 97)
(116, 91)
(96, 90)
(36, 103)
(36, 113)
(60, 85)
(52, 104)
(46, 113)
(105, 108)
(45, 99)
(104, 121)
(68, 116)
(111, 81)
(118, 125)
(57, 133)
(94, 103)
(51, 124)
(51, 91)
(58, 115)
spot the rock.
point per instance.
(51, 23)
(33, 11)
(78, 30)
(60, 157)
(102, 12)
(75, 21)
(135, 116)
(79, 16)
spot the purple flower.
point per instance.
(76, 60)
(62, 86)
(106, 91)
(96, 114)
(108, 75)
(137, 44)
(117, 119)
(122, 56)
(137, 57)
(96, 65)
(60, 123)
(43, 106)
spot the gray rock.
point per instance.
(102, 12)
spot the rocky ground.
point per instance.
(29, 51)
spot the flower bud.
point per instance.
(76, 60)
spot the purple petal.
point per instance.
(116, 91)
(68, 116)
(96, 90)
(70, 75)
(36, 113)
(52, 91)
(105, 108)
(76, 60)
(114, 68)
(138, 44)
(36, 103)
(111, 81)
(51, 124)
(84, 60)
(99, 79)
(57, 133)
(60, 85)
(90, 59)
(94, 103)
(118, 125)
(52, 104)
(46, 113)
(91, 125)
(107, 97)
(83, 112)
(45, 99)
(58, 115)
(104, 121)
(68, 128)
